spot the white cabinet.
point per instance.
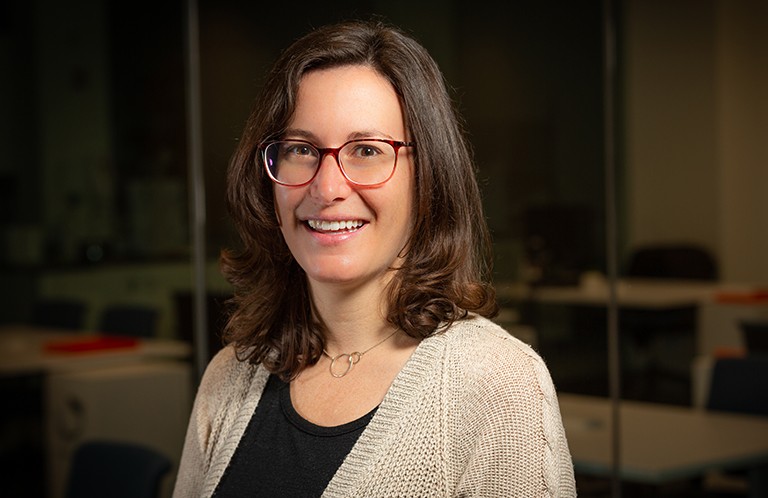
(147, 402)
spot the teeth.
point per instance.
(334, 226)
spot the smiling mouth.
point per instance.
(335, 226)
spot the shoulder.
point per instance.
(224, 364)
(493, 363)
(477, 343)
(483, 332)
(220, 370)
(225, 377)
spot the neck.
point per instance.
(354, 319)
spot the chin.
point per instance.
(334, 277)
(326, 271)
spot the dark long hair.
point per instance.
(446, 269)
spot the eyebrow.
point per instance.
(356, 135)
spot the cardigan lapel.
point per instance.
(401, 399)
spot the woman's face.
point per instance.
(334, 106)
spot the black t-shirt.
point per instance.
(283, 455)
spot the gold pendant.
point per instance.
(352, 358)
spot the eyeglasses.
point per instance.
(366, 162)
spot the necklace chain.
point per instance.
(352, 357)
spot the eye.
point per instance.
(299, 149)
(366, 150)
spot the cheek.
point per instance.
(285, 202)
(405, 203)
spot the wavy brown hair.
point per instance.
(446, 269)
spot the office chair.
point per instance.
(134, 321)
(740, 385)
(117, 470)
(58, 313)
(663, 341)
(755, 335)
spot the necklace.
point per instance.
(352, 358)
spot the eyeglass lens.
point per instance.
(365, 162)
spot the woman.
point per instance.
(361, 361)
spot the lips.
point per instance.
(335, 226)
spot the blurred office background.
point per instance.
(95, 188)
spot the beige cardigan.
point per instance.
(473, 414)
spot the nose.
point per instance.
(329, 183)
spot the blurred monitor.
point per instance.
(559, 242)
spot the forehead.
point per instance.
(334, 103)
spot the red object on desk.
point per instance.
(758, 296)
(722, 352)
(85, 344)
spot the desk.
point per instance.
(634, 293)
(23, 351)
(661, 443)
(720, 306)
(139, 393)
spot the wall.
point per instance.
(695, 111)
(742, 57)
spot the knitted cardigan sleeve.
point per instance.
(506, 418)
